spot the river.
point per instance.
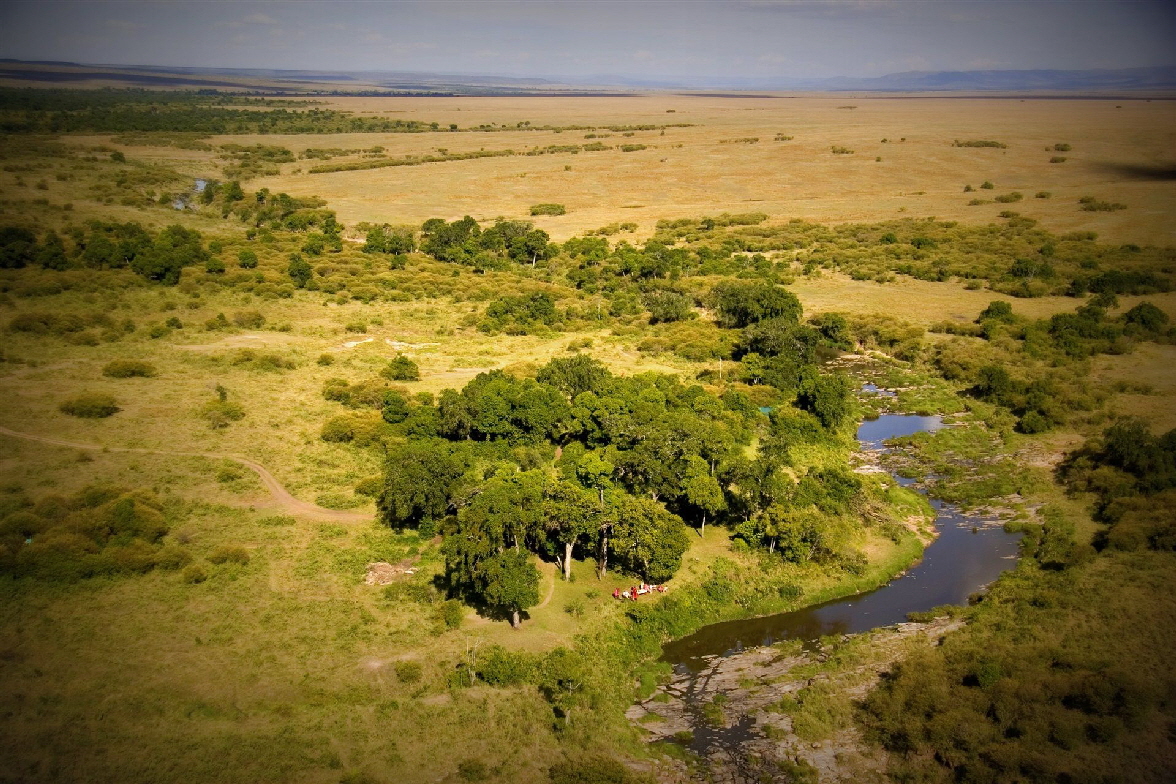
(968, 554)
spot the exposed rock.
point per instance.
(730, 710)
(381, 573)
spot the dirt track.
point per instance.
(282, 497)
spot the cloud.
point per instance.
(125, 26)
(260, 19)
(643, 55)
(986, 64)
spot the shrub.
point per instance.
(90, 406)
(841, 150)
(1009, 198)
(979, 143)
(1091, 204)
(548, 209)
(172, 557)
(247, 259)
(214, 266)
(591, 770)
(194, 573)
(473, 770)
(221, 413)
(1058, 159)
(1042, 195)
(326, 359)
(128, 368)
(230, 554)
(401, 369)
(408, 671)
(449, 614)
(338, 430)
(248, 319)
(987, 185)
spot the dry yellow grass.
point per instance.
(921, 176)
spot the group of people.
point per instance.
(636, 591)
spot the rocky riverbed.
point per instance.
(740, 714)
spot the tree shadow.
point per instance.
(1142, 172)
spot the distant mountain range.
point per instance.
(1097, 80)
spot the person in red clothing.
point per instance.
(633, 592)
(616, 593)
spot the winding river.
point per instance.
(968, 554)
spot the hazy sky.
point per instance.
(752, 38)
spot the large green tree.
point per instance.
(510, 582)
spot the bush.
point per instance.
(548, 209)
(172, 557)
(91, 406)
(473, 770)
(401, 369)
(592, 770)
(230, 554)
(194, 573)
(221, 413)
(408, 671)
(247, 259)
(128, 368)
(249, 319)
(450, 614)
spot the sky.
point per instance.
(666, 39)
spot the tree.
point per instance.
(572, 515)
(395, 409)
(563, 677)
(511, 582)
(299, 270)
(741, 304)
(665, 305)
(649, 540)
(52, 252)
(574, 375)
(421, 481)
(702, 490)
(247, 259)
(401, 368)
(829, 396)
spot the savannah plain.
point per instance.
(288, 667)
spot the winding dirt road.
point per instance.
(282, 497)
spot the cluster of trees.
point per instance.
(99, 530)
(272, 211)
(1132, 475)
(636, 460)
(160, 256)
(465, 242)
(118, 111)
(1061, 674)
(1037, 395)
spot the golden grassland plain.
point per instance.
(690, 171)
(285, 668)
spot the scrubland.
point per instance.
(284, 665)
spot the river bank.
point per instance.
(780, 709)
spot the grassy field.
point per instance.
(289, 667)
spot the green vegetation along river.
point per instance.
(968, 554)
